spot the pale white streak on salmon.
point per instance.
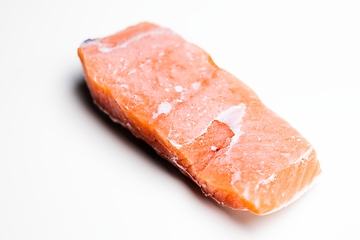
(231, 117)
(305, 156)
(158, 31)
(175, 144)
(294, 198)
(268, 180)
(272, 177)
(235, 177)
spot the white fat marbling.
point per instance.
(267, 181)
(158, 31)
(296, 197)
(305, 155)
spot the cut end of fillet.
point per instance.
(201, 118)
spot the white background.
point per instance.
(67, 172)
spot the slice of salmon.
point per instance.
(201, 118)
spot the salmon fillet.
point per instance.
(201, 118)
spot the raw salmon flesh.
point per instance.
(201, 118)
